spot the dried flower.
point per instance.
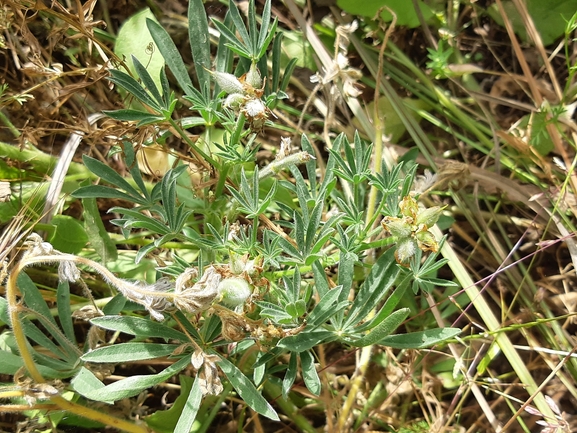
(199, 296)
(208, 378)
(151, 296)
(35, 246)
(340, 69)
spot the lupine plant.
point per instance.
(247, 314)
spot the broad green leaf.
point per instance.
(295, 46)
(127, 352)
(403, 9)
(393, 123)
(549, 16)
(246, 390)
(386, 327)
(139, 327)
(310, 375)
(134, 39)
(124, 388)
(419, 340)
(69, 236)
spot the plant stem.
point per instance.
(200, 155)
(4, 119)
(288, 407)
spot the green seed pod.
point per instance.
(234, 291)
(429, 217)
(253, 77)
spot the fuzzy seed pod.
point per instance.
(234, 101)
(228, 82)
